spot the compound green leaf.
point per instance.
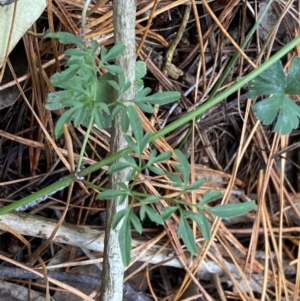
(150, 199)
(293, 77)
(118, 166)
(168, 211)
(103, 54)
(183, 166)
(75, 52)
(110, 194)
(160, 158)
(122, 199)
(65, 118)
(142, 95)
(145, 107)
(283, 107)
(196, 185)
(115, 111)
(119, 216)
(201, 221)
(204, 225)
(152, 157)
(136, 222)
(156, 170)
(114, 69)
(115, 51)
(175, 178)
(140, 69)
(72, 84)
(124, 187)
(79, 116)
(143, 211)
(105, 92)
(210, 196)
(125, 241)
(57, 79)
(288, 117)
(145, 141)
(115, 85)
(104, 107)
(130, 175)
(125, 121)
(135, 122)
(65, 38)
(276, 83)
(98, 118)
(95, 46)
(132, 144)
(232, 209)
(153, 215)
(139, 85)
(163, 97)
(56, 100)
(271, 81)
(130, 159)
(186, 233)
(267, 109)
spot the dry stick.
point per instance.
(201, 44)
(113, 268)
(130, 291)
(139, 48)
(284, 143)
(263, 189)
(51, 27)
(56, 282)
(265, 228)
(79, 236)
(69, 145)
(63, 159)
(222, 16)
(170, 52)
(27, 75)
(227, 34)
(46, 280)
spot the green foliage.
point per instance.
(65, 38)
(88, 97)
(276, 82)
(182, 180)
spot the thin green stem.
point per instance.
(85, 140)
(39, 195)
(92, 185)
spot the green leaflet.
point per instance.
(279, 105)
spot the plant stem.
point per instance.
(41, 194)
(86, 138)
